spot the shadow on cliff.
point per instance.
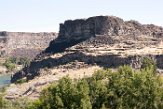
(59, 45)
(103, 61)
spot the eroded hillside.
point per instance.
(95, 43)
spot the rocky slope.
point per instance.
(24, 44)
(104, 41)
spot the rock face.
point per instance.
(24, 44)
(106, 41)
(105, 30)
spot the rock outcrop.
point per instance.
(106, 41)
(24, 44)
(105, 30)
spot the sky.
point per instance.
(46, 15)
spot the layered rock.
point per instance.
(105, 30)
(24, 44)
(106, 41)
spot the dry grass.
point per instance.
(16, 91)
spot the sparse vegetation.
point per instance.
(21, 103)
(24, 61)
(21, 61)
(11, 62)
(9, 65)
(20, 81)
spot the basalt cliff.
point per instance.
(24, 44)
(103, 41)
(105, 30)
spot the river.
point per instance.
(5, 79)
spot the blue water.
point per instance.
(5, 79)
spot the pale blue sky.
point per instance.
(45, 15)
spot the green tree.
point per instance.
(122, 89)
(148, 63)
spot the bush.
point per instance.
(24, 61)
(148, 63)
(2, 102)
(20, 81)
(10, 66)
(20, 103)
(124, 89)
(11, 62)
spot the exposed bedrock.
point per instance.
(106, 27)
(23, 44)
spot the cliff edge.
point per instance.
(24, 44)
(107, 30)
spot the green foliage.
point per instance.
(24, 61)
(20, 81)
(2, 102)
(11, 62)
(124, 89)
(138, 90)
(65, 95)
(16, 60)
(21, 103)
(9, 65)
(148, 63)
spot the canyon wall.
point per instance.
(23, 44)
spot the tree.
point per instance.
(148, 63)
(123, 89)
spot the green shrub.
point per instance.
(24, 61)
(19, 103)
(13, 60)
(1, 101)
(124, 89)
(10, 66)
(149, 63)
(20, 81)
(16, 60)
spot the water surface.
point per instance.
(5, 79)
